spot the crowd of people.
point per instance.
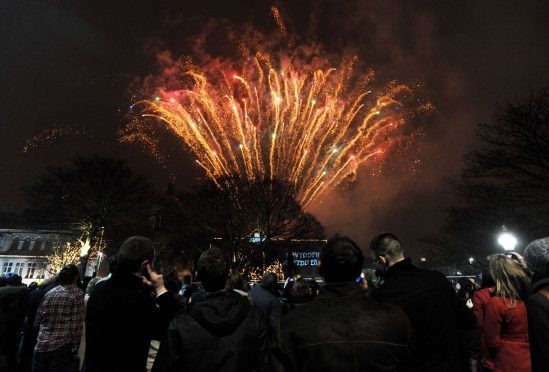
(136, 320)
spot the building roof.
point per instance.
(7, 249)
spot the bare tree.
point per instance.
(505, 180)
(95, 196)
(229, 218)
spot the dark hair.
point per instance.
(213, 269)
(14, 279)
(133, 252)
(341, 260)
(300, 289)
(269, 281)
(68, 275)
(387, 245)
(171, 282)
(113, 260)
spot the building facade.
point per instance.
(25, 251)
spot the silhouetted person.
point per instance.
(505, 329)
(343, 329)
(60, 321)
(13, 307)
(300, 293)
(31, 332)
(428, 299)
(126, 311)
(536, 256)
(218, 331)
(266, 298)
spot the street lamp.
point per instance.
(507, 241)
(471, 260)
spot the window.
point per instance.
(7, 267)
(19, 266)
(38, 243)
(48, 245)
(26, 244)
(31, 267)
(15, 243)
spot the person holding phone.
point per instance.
(127, 311)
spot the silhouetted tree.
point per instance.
(229, 218)
(97, 196)
(505, 180)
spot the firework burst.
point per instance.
(310, 129)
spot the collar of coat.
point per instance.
(540, 284)
(341, 289)
(404, 265)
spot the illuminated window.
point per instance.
(257, 237)
(7, 267)
(19, 266)
(31, 268)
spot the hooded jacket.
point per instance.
(219, 331)
(268, 303)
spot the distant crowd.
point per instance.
(137, 320)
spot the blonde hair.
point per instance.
(512, 281)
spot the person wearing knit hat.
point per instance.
(536, 255)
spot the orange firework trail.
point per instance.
(311, 130)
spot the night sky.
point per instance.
(69, 64)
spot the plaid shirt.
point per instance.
(60, 318)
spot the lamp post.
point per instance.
(507, 240)
(471, 260)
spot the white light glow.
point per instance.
(507, 241)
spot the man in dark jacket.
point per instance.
(125, 312)
(13, 307)
(342, 329)
(264, 297)
(30, 331)
(219, 330)
(428, 299)
(536, 255)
